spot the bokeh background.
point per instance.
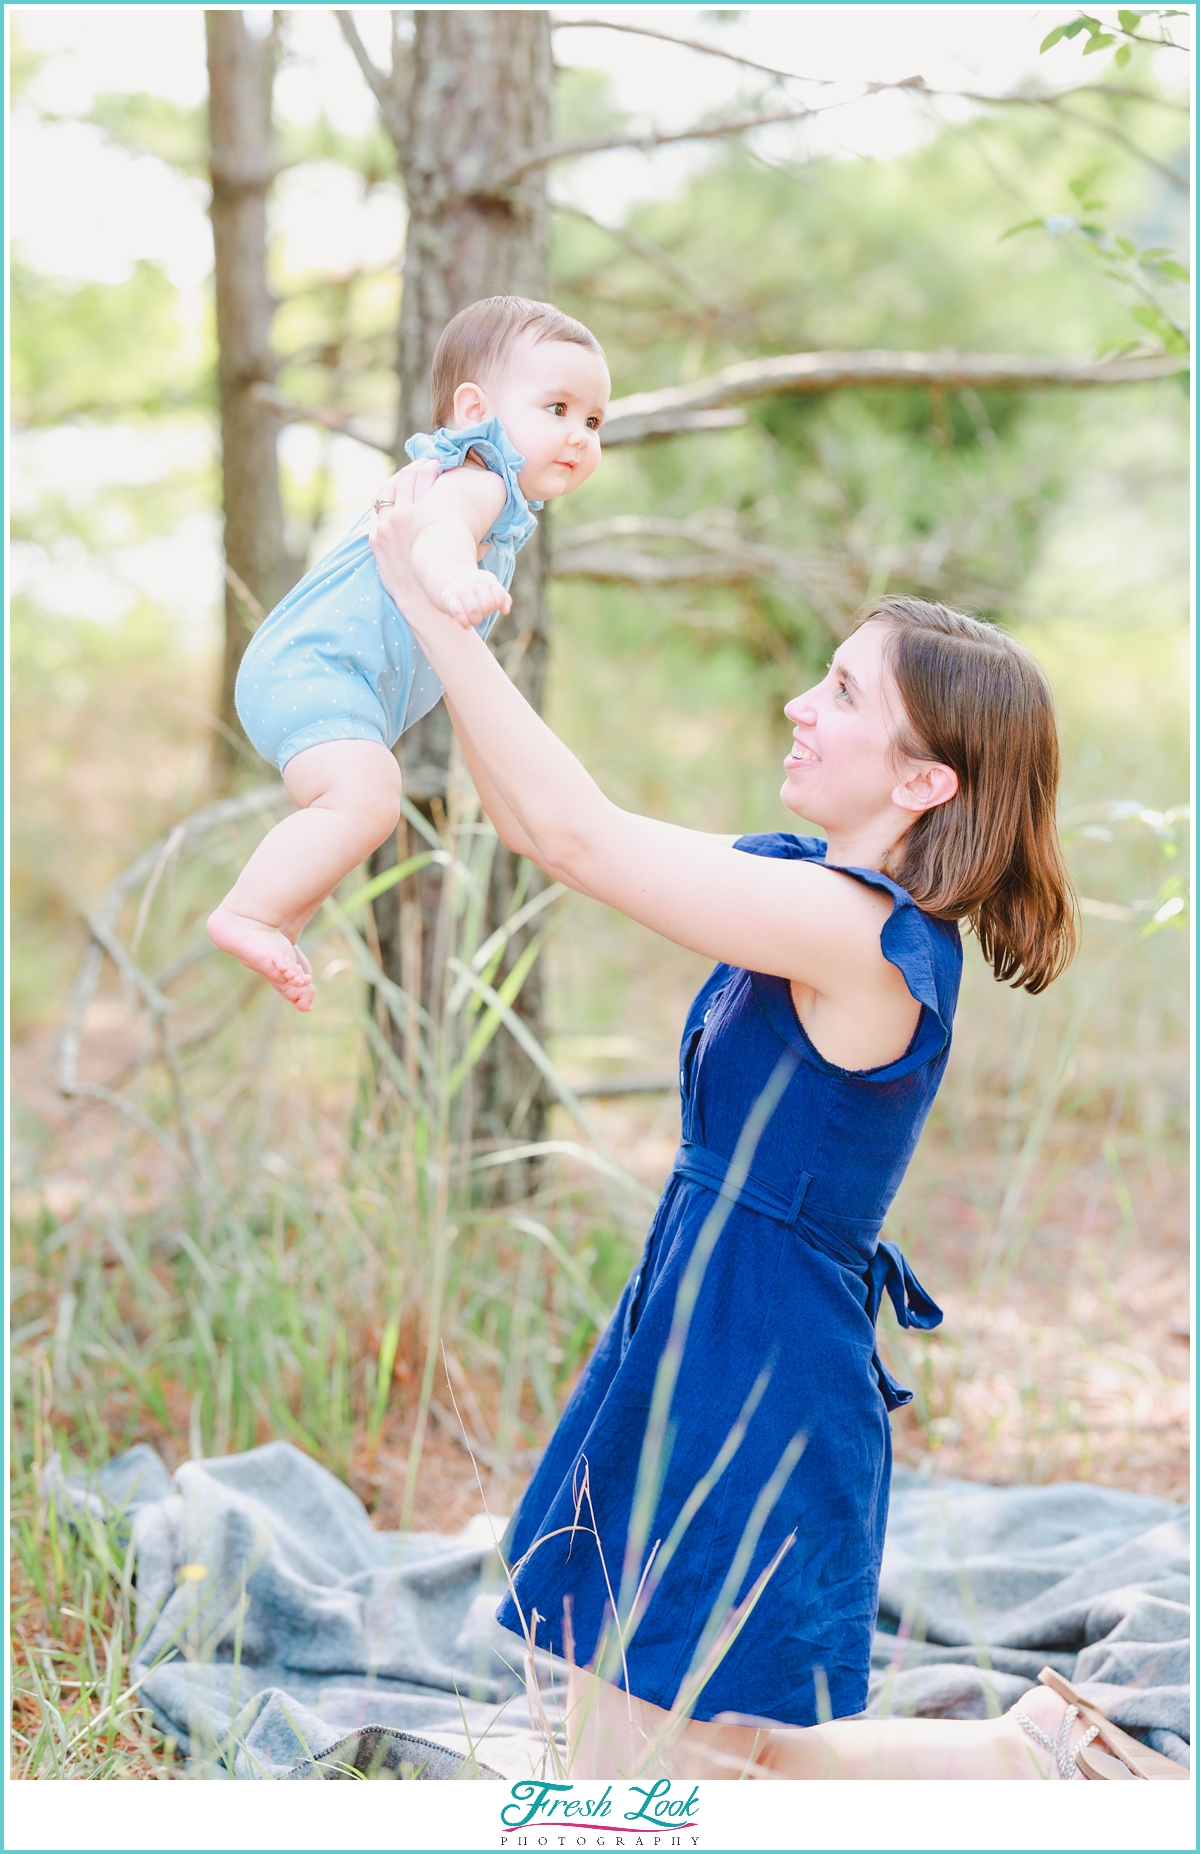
(340, 1275)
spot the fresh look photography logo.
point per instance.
(546, 1814)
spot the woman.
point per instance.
(705, 1529)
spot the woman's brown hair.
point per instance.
(975, 700)
(480, 338)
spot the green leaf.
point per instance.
(1099, 41)
(1150, 318)
(379, 885)
(1125, 245)
(1071, 31)
(1129, 21)
(1124, 54)
(1169, 268)
(490, 1022)
(1027, 225)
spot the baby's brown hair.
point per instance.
(481, 337)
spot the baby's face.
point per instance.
(551, 400)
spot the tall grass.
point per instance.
(276, 1268)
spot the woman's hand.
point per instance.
(392, 538)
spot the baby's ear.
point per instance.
(471, 405)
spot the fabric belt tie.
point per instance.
(885, 1270)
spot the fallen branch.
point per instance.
(643, 415)
(102, 921)
(519, 1462)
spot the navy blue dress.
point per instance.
(720, 1474)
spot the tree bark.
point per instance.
(241, 72)
(469, 96)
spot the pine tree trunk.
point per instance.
(477, 92)
(241, 72)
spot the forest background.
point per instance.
(329, 1264)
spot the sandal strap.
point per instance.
(1066, 1759)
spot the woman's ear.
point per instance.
(930, 785)
(471, 404)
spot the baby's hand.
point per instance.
(471, 597)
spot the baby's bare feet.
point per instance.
(264, 950)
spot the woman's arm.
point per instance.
(782, 917)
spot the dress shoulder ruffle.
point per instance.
(927, 952)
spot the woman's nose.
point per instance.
(802, 709)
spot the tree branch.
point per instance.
(642, 415)
(1107, 129)
(714, 403)
(1128, 92)
(722, 554)
(291, 413)
(697, 45)
(598, 144)
(650, 253)
(383, 86)
(830, 584)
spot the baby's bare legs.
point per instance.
(614, 1735)
(347, 795)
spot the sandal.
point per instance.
(1068, 1760)
(1136, 1759)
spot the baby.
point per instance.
(333, 676)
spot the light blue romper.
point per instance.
(336, 659)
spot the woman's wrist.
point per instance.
(400, 580)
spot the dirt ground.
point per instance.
(1073, 1364)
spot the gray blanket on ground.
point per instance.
(282, 1636)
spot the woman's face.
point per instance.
(843, 769)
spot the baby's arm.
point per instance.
(450, 523)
